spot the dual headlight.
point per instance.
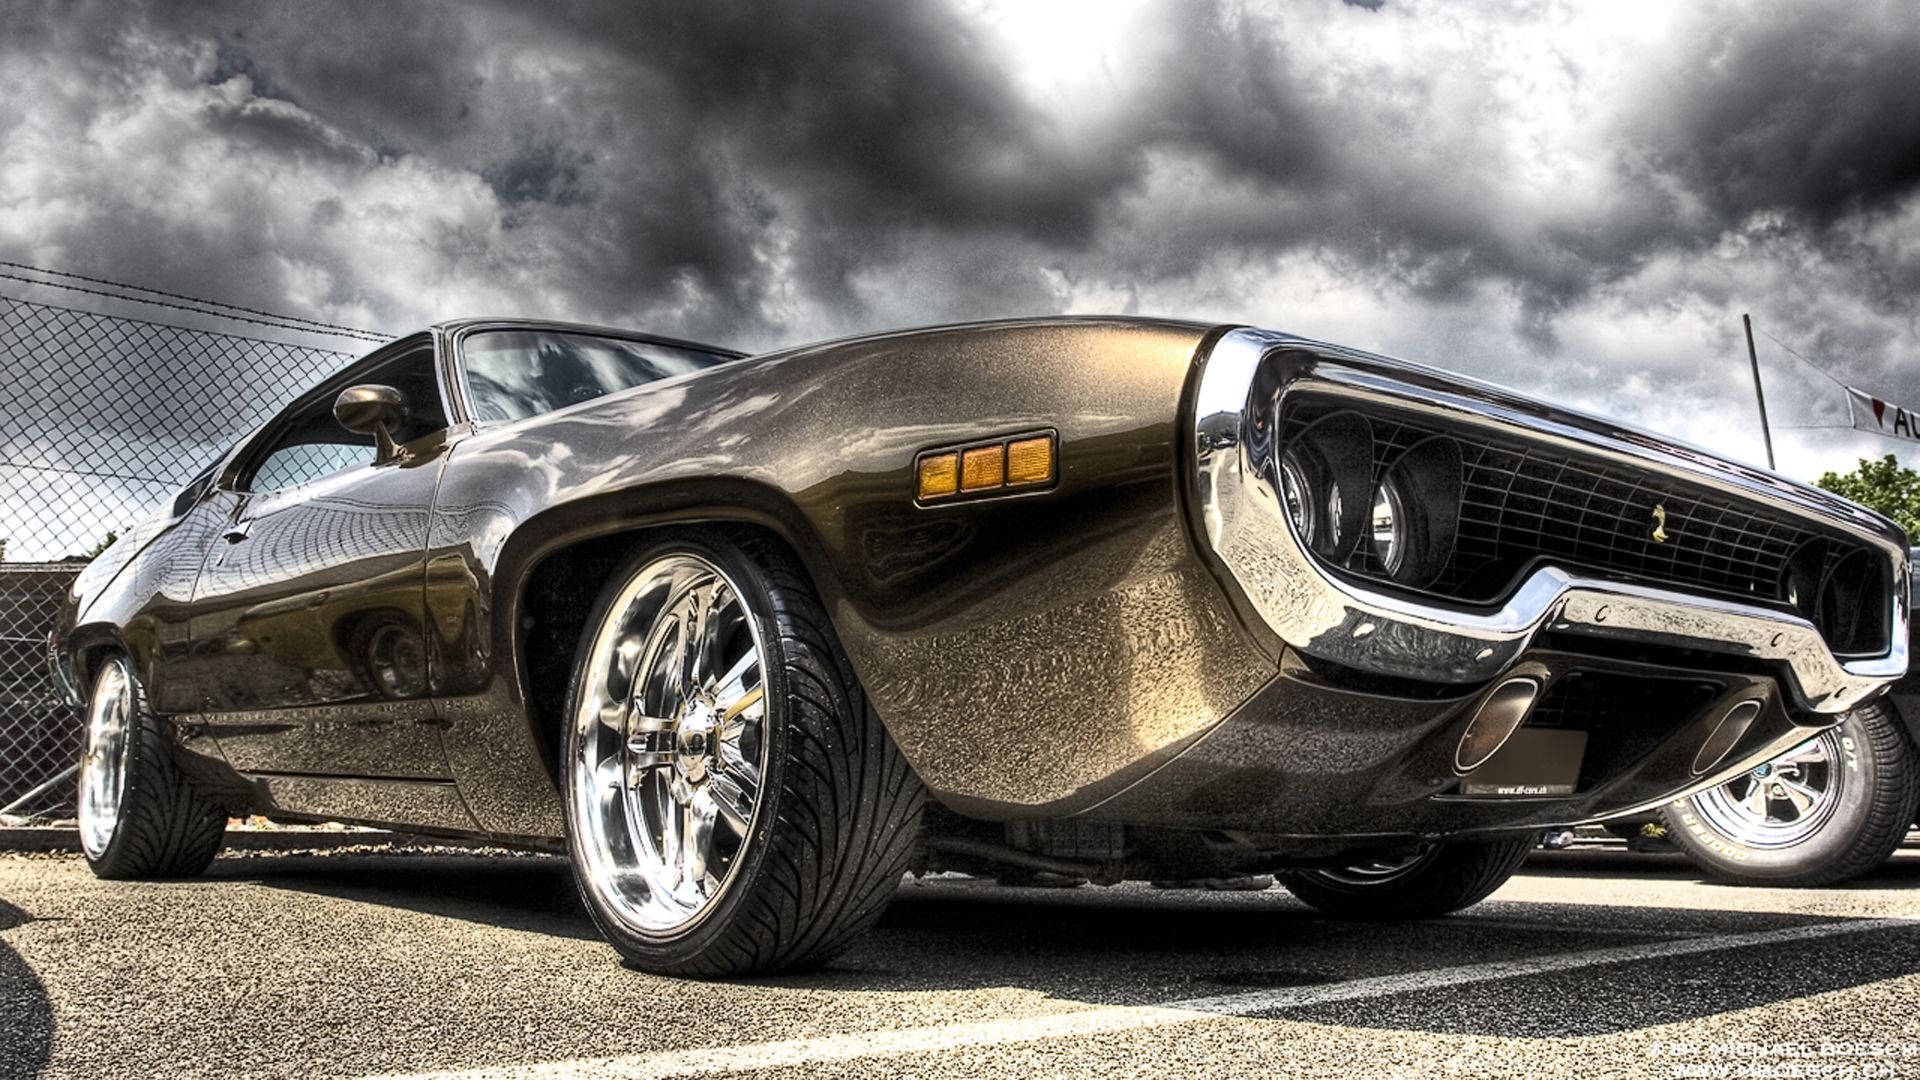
(1369, 506)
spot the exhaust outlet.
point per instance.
(1500, 715)
(1725, 735)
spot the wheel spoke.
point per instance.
(734, 682)
(706, 603)
(610, 772)
(698, 837)
(613, 715)
(639, 766)
(1756, 801)
(735, 717)
(1800, 795)
(733, 799)
(1812, 752)
(735, 763)
(625, 664)
(669, 838)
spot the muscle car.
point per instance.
(748, 638)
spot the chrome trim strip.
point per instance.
(1336, 619)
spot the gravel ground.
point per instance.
(351, 962)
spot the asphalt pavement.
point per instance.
(1592, 962)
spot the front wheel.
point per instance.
(1438, 879)
(733, 804)
(138, 817)
(1829, 810)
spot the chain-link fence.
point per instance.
(39, 739)
(102, 416)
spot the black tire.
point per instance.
(840, 807)
(165, 828)
(1447, 877)
(1876, 802)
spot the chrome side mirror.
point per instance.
(372, 409)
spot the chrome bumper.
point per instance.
(1338, 620)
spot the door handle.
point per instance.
(237, 531)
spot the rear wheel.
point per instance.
(1830, 809)
(138, 817)
(1439, 878)
(733, 803)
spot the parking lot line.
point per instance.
(1103, 1020)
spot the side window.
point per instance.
(310, 444)
(519, 373)
(293, 464)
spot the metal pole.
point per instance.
(1758, 394)
(42, 789)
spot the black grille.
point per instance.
(1523, 504)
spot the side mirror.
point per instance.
(372, 409)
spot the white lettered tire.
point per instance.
(1827, 811)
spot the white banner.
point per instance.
(1880, 417)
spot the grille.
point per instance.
(1523, 504)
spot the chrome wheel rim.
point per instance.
(103, 765)
(1379, 871)
(670, 745)
(1782, 802)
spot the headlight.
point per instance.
(1416, 512)
(1298, 494)
(1367, 506)
(1389, 526)
(1324, 478)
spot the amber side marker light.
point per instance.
(1023, 461)
(1030, 461)
(939, 475)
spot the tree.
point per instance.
(3, 549)
(1884, 486)
(105, 543)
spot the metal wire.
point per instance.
(103, 417)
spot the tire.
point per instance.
(1866, 779)
(139, 818)
(1443, 878)
(772, 766)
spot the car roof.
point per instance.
(456, 326)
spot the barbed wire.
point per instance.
(207, 307)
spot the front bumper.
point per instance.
(1311, 759)
(1335, 619)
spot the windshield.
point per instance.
(519, 373)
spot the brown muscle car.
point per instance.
(750, 637)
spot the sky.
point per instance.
(1578, 200)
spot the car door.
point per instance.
(307, 623)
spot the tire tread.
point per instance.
(167, 829)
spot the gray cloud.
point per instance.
(1539, 193)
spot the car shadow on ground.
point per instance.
(26, 1016)
(1139, 946)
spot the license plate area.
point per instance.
(1533, 762)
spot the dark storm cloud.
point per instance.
(1558, 195)
(757, 172)
(1810, 111)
